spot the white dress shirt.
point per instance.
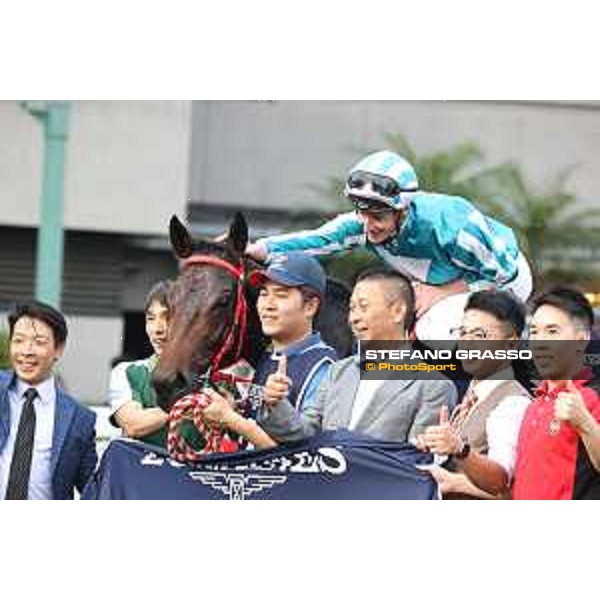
(364, 394)
(40, 478)
(504, 422)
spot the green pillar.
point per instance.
(54, 116)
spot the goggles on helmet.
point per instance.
(379, 184)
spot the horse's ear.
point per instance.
(180, 238)
(238, 234)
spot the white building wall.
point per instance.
(126, 166)
(85, 366)
(270, 153)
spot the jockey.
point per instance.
(444, 244)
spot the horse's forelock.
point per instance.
(195, 328)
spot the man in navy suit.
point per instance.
(47, 439)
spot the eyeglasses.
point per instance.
(477, 333)
(384, 186)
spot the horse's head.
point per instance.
(204, 301)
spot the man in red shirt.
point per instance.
(558, 454)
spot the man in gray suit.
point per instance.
(381, 308)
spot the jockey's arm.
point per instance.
(137, 421)
(342, 233)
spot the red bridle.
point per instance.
(196, 400)
(236, 333)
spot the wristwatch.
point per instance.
(464, 451)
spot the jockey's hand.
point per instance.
(277, 386)
(258, 251)
(220, 410)
(427, 295)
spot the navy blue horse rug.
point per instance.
(330, 466)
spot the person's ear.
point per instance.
(398, 311)
(401, 214)
(311, 308)
(59, 351)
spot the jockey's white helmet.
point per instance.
(379, 182)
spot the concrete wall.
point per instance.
(127, 165)
(85, 365)
(143, 270)
(269, 153)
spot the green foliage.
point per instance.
(345, 267)
(455, 171)
(4, 357)
(554, 231)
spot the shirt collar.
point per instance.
(485, 387)
(300, 346)
(579, 380)
(45, 389)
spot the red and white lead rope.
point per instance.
(191, 406)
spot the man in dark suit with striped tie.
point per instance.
(47, 439)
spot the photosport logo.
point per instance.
(537, 359)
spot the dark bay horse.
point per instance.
(214, 319)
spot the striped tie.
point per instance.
(461, 412)
(20, 466)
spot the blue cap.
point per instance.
(293, 270)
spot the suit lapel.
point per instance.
(347, 386)
(381, 399)
(63, 415)
(5, 410)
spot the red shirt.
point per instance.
(552, 462)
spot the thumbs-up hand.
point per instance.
(278, 384)
(570, 407)
(441, 439)
(282, 366)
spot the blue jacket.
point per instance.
(74, 440)
(309, 361)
